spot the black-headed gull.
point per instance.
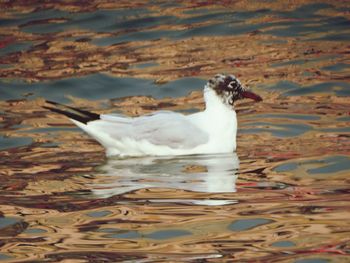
(165, 132)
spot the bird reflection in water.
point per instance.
(196, 173)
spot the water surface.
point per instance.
(283, 197)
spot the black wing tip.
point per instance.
(51, 102)
(82, 116)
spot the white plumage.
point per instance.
(170, 133)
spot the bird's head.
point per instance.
(229, 89)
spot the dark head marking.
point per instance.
(230, 89)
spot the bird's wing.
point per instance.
(162, 128)
(117, 118)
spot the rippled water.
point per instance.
(283, 197)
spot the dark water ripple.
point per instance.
(98, 86)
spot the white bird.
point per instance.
(165, 132)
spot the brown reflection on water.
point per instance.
(277, 209)
(284, 196)
(51, 55)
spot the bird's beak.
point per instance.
(251, 95)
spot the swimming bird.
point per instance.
(166, 132)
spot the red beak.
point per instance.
(251, 95)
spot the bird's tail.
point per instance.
(79, 115)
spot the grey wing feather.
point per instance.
(161, 128)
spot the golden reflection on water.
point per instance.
(78, 206)
(283, 197)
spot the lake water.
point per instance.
(283, 197)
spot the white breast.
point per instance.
(219, 121)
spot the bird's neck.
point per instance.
(220, 121)
(213, 103)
